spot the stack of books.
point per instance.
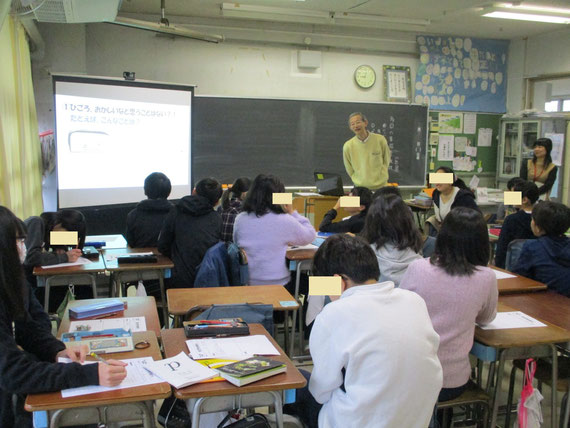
(251, 370)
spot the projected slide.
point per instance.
(110, 137)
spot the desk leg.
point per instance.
(497, 391)
(300, 311)
(554, 419)
(163, 298)
(46, 294)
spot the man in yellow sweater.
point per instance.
(366, 155)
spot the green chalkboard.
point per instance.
(486, 155)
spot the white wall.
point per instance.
(538, 55)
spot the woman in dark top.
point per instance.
(231, 204)
(353, 224)
(28, 351)
(540, 168)
(448, 196)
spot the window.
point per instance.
(551, 106)
(566, 105)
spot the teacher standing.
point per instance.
(540, 169)
(366, 155)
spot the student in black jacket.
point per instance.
(517, 225)
(28, 351)
(355, 222)
(145, 221)
(190, 228)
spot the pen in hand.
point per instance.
(98, 358)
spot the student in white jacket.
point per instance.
(374, 350)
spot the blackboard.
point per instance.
(235, 137)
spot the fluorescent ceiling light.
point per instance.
(529, 17)
(534, 8)
(269, 13)
(360, 18)
(163, 29)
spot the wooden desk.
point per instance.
(547, 305)
(138, 271)
(112, 406)
(519, 284)
(419, 209)
(136, 307)
(77, 275)
(260, 393)
(182, 299)
(523, 343)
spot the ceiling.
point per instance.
(446, 17)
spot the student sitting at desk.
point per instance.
(505, 210)
(28, 351)
(264, 231)
(547, 259)
(374, 350)
(231, 206)
(517, 225)
(145, 221)
(391, 231)
(355, 222)
(190, 228)
(448, 196)
(41, 253)
(459, 290)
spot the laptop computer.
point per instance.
(328, 184)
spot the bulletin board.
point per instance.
(454, 125)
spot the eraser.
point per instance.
(440, 178)
(350, 201)
(325, 286)
(512, 198)
(282, 198)
(63, 238)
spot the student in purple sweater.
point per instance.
(459, 290)
(265, 230)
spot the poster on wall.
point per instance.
(462, 73)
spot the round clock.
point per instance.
(365, 76)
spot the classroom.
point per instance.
(302, 54)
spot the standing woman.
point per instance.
(231, 206)
(540, 169)
(448, 196)
(28, 351)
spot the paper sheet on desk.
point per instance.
(307, 194)
(503, 275)
(80, 261)
(231, 348)
(130, 323)
(137, 375)
(515, 319)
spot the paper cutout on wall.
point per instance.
(462, 73)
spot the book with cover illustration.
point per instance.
(220, 327)
(251, 370)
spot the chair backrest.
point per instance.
(251, 313)
(238, 268)
(513, 253)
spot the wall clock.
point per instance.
(364, 76)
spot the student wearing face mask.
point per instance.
(28, 351)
